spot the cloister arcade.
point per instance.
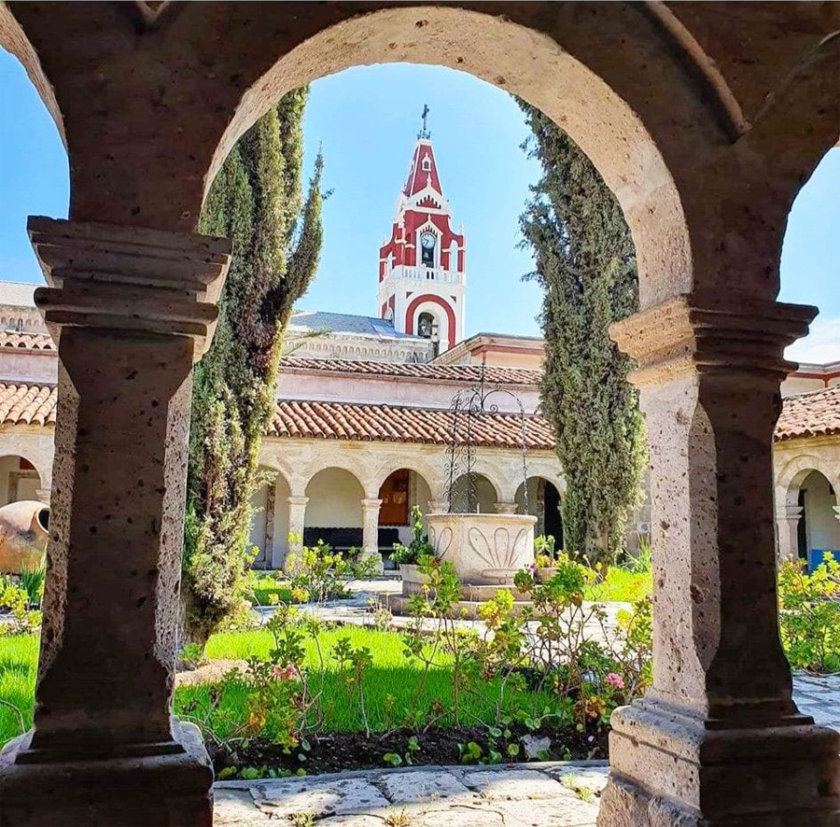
(703, 119)
(361, 494)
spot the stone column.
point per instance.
(438, 506)
(787, 525)
(131, 310)
(43, 494)
(297, 518)
(370, 531)
(717, 740)
(268, 542)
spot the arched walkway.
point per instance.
(479, 496)
(19, 480)
(703, 125)
(543, 502)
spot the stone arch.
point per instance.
(519, 59)
(14, 40)
(426, 470)
(14, 484)
(793, 474)
(488, 492)
(335, 502)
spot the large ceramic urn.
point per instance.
(24, 531)
(486, 549)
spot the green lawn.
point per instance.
(18, 670)
(392, 688)
(621, 584)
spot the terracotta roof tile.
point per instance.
(810, 414)
(386, 423)
(27, 404)
(26, 341)
(457, 373)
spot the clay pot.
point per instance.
(24, 531)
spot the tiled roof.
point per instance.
(386, 423)
(26, 341)
(456, 373)
(27, 404)
(810, 414)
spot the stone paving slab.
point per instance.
(423, 786)
(509, 784)
(319, 796)
(522, 795)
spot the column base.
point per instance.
(672, 770)
(164, 790)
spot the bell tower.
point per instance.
(422, 273)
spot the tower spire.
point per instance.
(424, 132)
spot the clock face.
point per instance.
(427, 240)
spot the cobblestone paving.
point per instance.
(562, 794)
(532, 795)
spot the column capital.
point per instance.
(371, 502)
(789, 512)
(836, 510)
(297, 500)
(505, 508)
(106, 276)
(699, 332)
(438, 506)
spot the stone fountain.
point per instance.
(486, 549)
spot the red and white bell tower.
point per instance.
(422, 273)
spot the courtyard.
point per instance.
(377, 562)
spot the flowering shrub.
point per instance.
(544, 551)
(419, 545)
(15, 605)
(318, 573)
(809, 617)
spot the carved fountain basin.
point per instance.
(486, 549)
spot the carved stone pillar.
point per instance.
(297, 521)
(370, 531)
(131, 310)
(717, 740)
(787, 525)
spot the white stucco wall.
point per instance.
(335, 500)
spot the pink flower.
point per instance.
(615, 680)
(285, 673)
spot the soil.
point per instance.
(438, 745)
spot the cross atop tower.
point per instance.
(424, 132)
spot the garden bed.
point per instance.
(333, 752)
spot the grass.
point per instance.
(392, 685)
(621, 584)
(18, 670)
(267, 590)
(393, 695)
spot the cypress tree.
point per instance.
(585, 263)
(256, 201)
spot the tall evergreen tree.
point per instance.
(256, 201)
(585, 262)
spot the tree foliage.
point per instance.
(585, 263)
(256, 201)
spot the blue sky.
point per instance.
(366, 120)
